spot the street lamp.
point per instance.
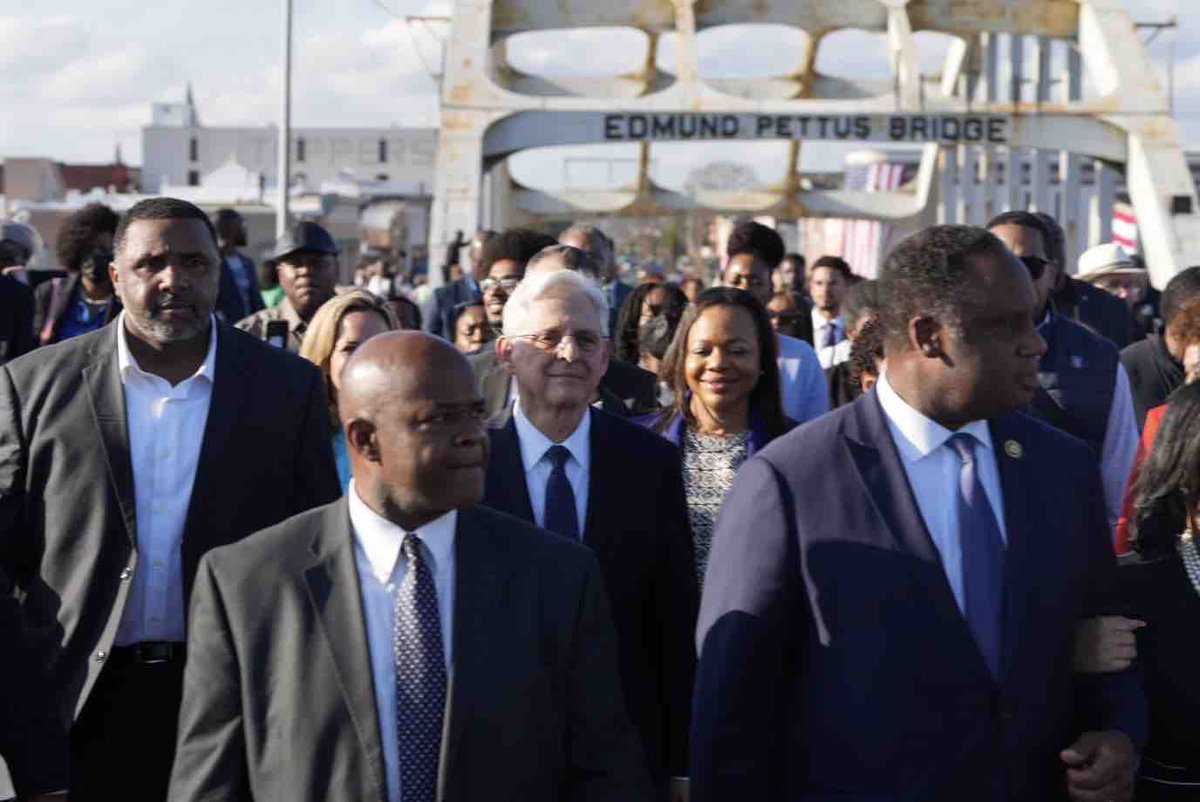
(285, 127)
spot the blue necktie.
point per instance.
(982, 553)
(831, 338)
(561, 517)
(420, 677)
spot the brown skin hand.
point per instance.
(414, 424)
(981, 368)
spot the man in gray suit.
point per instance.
(127, 453)
(403, 643)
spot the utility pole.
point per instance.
(285, 127)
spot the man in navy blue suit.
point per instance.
(894, 588)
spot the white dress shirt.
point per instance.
(166, 429)
(933, 470)
(829, 355)
(381, 570)
(538, 466)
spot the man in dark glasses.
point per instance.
(1084, 388)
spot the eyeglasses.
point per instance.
(786, 317)
(506, 284)
(1036, 266)
(586, 341)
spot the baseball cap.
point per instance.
(304, 236)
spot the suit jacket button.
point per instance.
(100, 655)
(126, 573)
(1008, 711)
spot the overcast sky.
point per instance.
(77, 77)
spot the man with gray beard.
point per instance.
(125, 455)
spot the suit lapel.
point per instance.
(228, 402)
(106, 394)
(334, 592)
(879, 464)
(604, 464)
(506, 473)
(1018, 484)
(483, 570)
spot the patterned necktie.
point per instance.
(561, 516)
(982, 554)
(420, 677)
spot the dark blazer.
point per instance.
(16, 319)
(50, 307)
(835, 662)
(1102, 312)
(637, 526)
(33, 740)
(68, 530)
(624, 389)
(616, 293)
(229, 298)
(278, 698)
(1157, 590)
(439, 314)
(1153, 374)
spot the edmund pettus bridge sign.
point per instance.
(975, 129)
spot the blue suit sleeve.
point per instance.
(749, 614)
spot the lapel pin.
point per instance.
(1013, 449)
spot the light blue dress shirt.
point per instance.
(381, 571)
(341, 457)
(933, 470)
(805, 391)
(537, 465)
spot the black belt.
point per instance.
(151, 653)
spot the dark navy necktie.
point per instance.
(561, 516)
(420, 677)
(982, 554)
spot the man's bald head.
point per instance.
(414, 427)
(394, 365)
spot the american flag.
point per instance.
(1124, 227)
(863, 241)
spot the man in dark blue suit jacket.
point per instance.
(895, 619)
(617, 489)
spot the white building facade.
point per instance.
(177, 150)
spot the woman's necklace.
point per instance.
(1186, 547)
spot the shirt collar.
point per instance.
(916, 435)
(820, 321)
(380, 539)
(534, 444)
(126, 362)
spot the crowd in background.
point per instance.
(839, 536)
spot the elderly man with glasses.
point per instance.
(1084, 389)
(609, 483)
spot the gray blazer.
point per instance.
(279, 703)
(68, 529)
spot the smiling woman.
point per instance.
(722, 369)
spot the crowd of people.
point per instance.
(543, 534)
